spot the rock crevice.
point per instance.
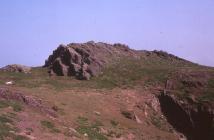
(194, 120)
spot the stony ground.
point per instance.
(96, 114)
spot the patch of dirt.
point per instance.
(28, 100)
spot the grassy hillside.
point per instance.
(100, 108)
(125, 73)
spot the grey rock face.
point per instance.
(85, 60)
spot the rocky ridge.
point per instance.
(184, 103)
(85, 60)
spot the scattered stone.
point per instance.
(9, 83)
(182, 137)
(97, 113)
(13, 132)
(137, 119)
(153, 103)
(86, 135)
(103, 131)
(72, 130)
(9, 124)
(24, 134)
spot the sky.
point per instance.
(31, 29)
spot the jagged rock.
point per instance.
(84, 60)
(16, 68)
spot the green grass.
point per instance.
(50, 126)
(211, 83)
(19, 137)
(91, 129)
(128, 73)
(156, 121)
(92, 133)
(4, 119)
(37, 78)
(208, 94)
(182, 93)
(5, 129)
(17, 107)
(82, 120)
(4, 104)
(125, 73)
(114, 123)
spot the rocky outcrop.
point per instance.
(85, 60)
(195, 120)
(16, 68)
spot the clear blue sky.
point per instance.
(31, 29)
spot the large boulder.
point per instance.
(84, 60)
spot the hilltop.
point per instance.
(108, 91)
(85, 60)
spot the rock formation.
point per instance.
(84, 60)
(16, 68)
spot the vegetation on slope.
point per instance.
(151, 70)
